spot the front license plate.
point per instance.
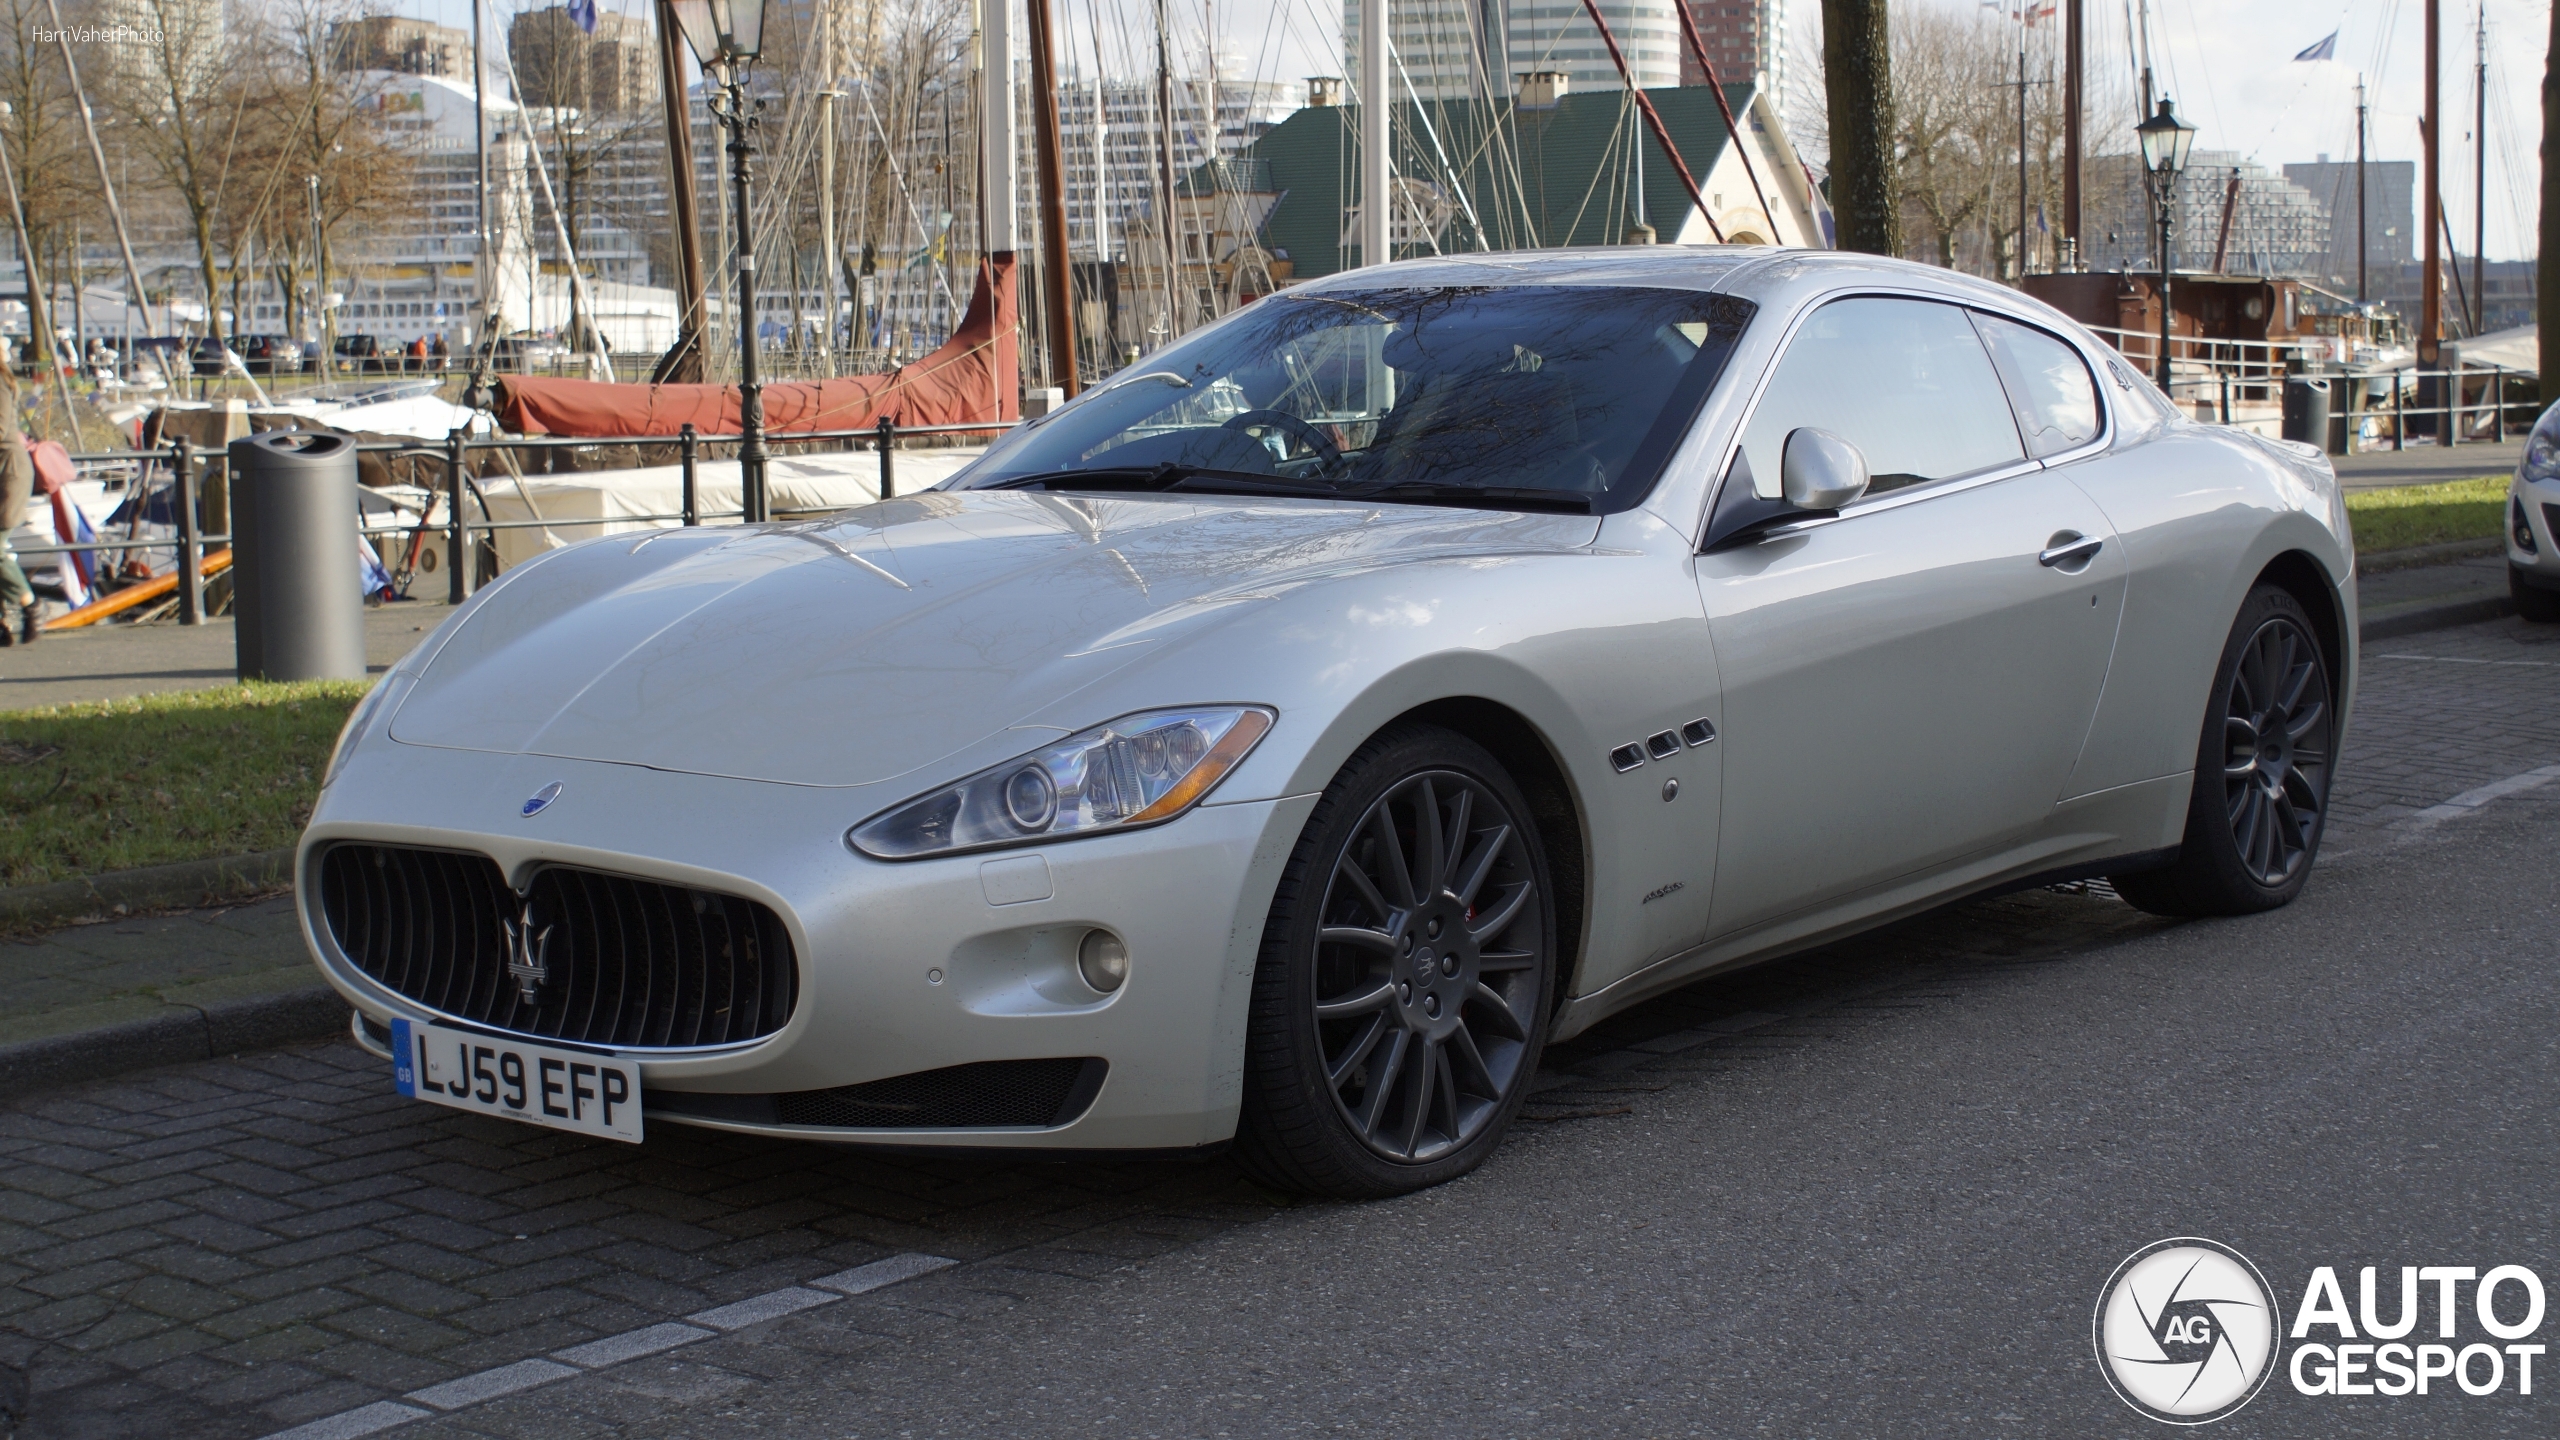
(564, 1089)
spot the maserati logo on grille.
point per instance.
(528, 955)
(542, 799)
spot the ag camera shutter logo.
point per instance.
(2186, 1330)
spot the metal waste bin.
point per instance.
(297, 604)
(2306, 409)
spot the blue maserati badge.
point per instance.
(542, 799)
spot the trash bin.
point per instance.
(2306, 410)
(297, 608)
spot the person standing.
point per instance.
(17, 487)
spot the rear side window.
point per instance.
(1906, 381)
(2048, 382)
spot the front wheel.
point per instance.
(1407, 972)
(2263, 768)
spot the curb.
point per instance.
(186, 1032)
(187, 883)
(2414, 557)
(2441, 616)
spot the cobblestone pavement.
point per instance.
(232, 1248)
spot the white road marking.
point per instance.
(2458, 660)
(2471, 800)
(612, 1350)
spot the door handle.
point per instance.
(2070, 551)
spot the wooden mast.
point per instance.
(682, 364)
(1060, 291)
(2431, 221)
(2071, 105)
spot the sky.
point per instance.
(2227, 63)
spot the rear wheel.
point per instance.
(1407, 969)
(2262, 772)
(2532, 601)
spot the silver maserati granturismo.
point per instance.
(1280, 744)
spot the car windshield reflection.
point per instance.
(1506, 396)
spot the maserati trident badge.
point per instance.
(542, 798)
(528, 955)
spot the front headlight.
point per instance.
(2542, 448)
(1137, 770)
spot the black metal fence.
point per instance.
(460, 532)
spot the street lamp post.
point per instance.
(2165, 139)
(724, 35)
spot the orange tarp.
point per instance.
(972, 377)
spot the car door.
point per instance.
(1908, 684)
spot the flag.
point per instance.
(2327, 49)
(584, 12)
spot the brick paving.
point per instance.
(230, 1248)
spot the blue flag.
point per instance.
(584, 12)
(2325, 50)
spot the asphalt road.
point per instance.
(1875, 1190)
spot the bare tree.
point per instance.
(1857, 70)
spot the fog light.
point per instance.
(1103, 961)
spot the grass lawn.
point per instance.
(2406, 515)
(193, 775)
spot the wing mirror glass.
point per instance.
(1818, 473)
(1821, 471)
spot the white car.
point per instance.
(1281, 743)
(2533, 523)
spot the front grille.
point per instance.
(1038, 1093)
(627, 962)
(2551, 519)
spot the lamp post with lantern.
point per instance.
(2165, 139)
(724, 36)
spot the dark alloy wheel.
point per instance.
(1403, 993)
(2262, 772)
(2275, 744)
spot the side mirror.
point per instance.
(1821, 471)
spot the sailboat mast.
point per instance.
(2364, 242)
(2071, 103)
(683, 360)
(1164, 157)
(1060, 291)
(1376, 174)
(2480, 180)
(2430, 204)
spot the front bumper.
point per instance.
(902, 967)
(2535, 505)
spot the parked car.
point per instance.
(211, 357)
(1282, 742)
(2533, 523)
(365, 353)
(271, 354)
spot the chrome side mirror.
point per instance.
(1820, 470)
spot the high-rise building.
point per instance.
(2390, 229)
(2277, 226)
(1439, 46)
(1743, 38)
(412, 47)
(611, 72)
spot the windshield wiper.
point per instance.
(1480, 497)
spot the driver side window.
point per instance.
(1906, 381)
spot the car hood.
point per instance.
(858, 648)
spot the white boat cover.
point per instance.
(612, 502)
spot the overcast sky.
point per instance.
(2229, 66)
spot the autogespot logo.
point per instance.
(2186, 1331)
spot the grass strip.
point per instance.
(155, 779)
(2405, 515)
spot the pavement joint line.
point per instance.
(502, 1380)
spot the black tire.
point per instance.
(1450, 978)
(2534, 603)
(2263, 767)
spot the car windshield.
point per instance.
(1507, 396)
